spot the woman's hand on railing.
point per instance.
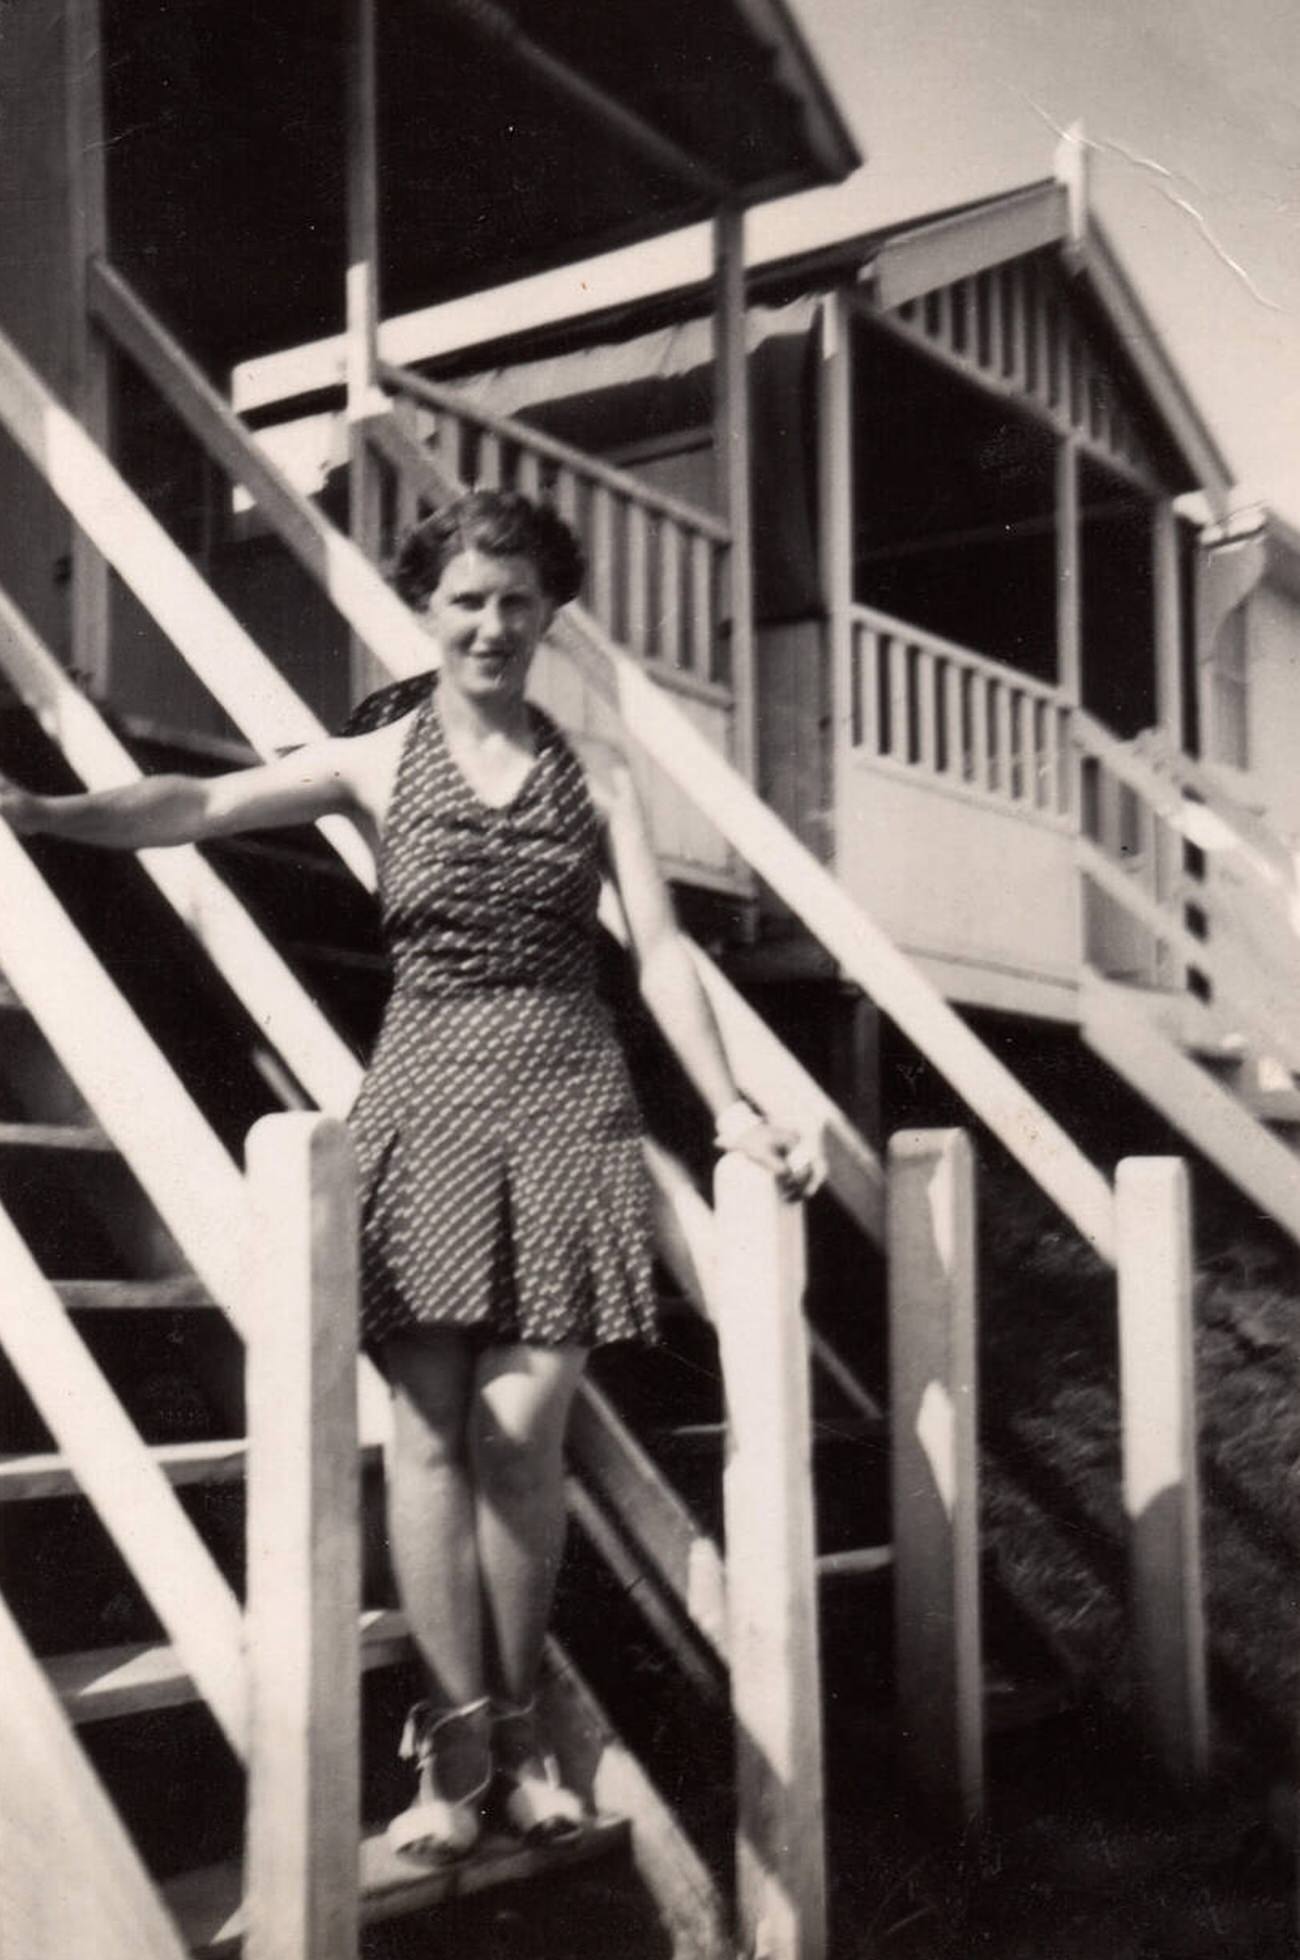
(781, 1152)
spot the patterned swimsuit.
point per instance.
(503, 1185)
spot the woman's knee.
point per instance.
(519, 1424)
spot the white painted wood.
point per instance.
(71, 1880)
(594, 1760)
(223, 656)
(1161, 1482)
(835, 543)
(361, 298)
(1168, 621)
(771, 1574)
(932, 1308)
(926, 678)
(703, 613)
(867, 955)
(1069, 587)
(121, 1074)
(304, 1559)
(732, 442)
(638, 579)
(129, 1491)
(1208, 1115)
(278, 1003)
(600, 570)
(650, 1514)
(670, 595)
(894, 652)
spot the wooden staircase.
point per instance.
(720, 1562)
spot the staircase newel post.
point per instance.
(771, 1568)
(1159, 1440)
(930, 1243)
(304, 1588)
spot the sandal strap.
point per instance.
(423, 1723)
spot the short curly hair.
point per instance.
(502, 523)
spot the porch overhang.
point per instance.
(514, 136)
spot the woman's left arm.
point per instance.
(673, 992)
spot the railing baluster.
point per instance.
(983, 774)
(489, 473)
(954, 726)
(900, 716)
(702, 606)
(926, 732)
(600, 575)
(771, 1568)
(997, 342)
(1006, 742)
(530, 474)
(638, 580)
(566, 497)
(670, 593)
(866, 689)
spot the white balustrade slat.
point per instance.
(489, 472)
(567, 497)
(600, 570)
(954, 732)
(993, 292)
(900, 719)
(529, 474)
(983, 774)
(1006, 743)
(926, 732)
(702, 611)
(670, 594)
(943, 317)
(638, 580)
(1013, 321)
(866, 687)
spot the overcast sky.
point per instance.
(954, 98)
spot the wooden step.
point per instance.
(177, 1293)
(83, 1137)
(208, 1905)
(103, 1683)
(24, 1478)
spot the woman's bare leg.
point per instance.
(431, 1525)
(521, 1412)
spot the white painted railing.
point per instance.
(923, 705)
(658, 566)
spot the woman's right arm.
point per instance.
(312, 782)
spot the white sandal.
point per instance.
(437, 1828)
(528, 1790)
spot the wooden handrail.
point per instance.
(280, 1005)
(965, 657)
(221, 653)
(129, 1491)
(445, 401)
(116, 1065)
(864, 951)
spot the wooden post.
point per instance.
(771, 1571)
(1161, 1500)
(88, 357)
(1167, 623)
(304, 1591)
(1069, 565)
(930, 1242)
(361, 351)
(731, 422)
(835, 506)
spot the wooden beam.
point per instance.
(361, 361)
(1167, 623)
(836, 519)
(88, 360)
(731, 415)
(495, 25)
(938, 1642)
(771, 1569)
(1161, 1483)
(304, 1554)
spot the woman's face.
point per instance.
(487, 615)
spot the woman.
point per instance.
(504, 1217)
